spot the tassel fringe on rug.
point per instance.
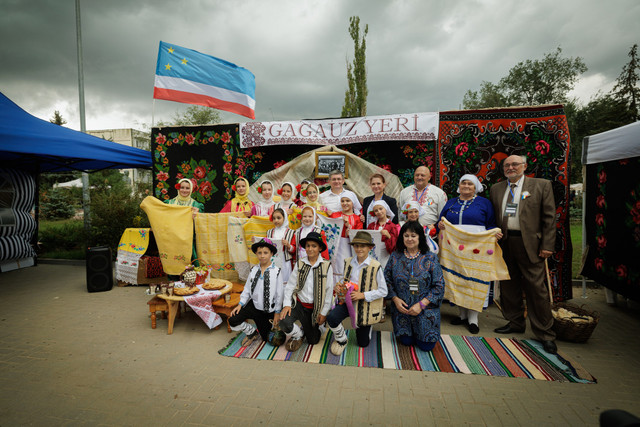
(503, 357)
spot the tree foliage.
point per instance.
(193, 115)
(531, 82)
(57, 119)
(626, 89)
(355, 97)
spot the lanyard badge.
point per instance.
(413, 286)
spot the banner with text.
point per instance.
(396, 127)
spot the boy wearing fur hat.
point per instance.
(363, 305)
(261, 299)
(308, 294)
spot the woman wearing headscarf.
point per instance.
(240, 201)
(474, 214)
(383, 222)
(185, 188)
(286, 202)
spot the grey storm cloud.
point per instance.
(421, 55)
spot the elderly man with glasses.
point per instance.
(526, 210)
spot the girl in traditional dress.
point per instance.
(265, 205)
(286, 202)
(313, 199)
(383, 215)
(241, 202)
(281, 231)
(351, 215)
(300, 199)
(412, 211)
(308, 224)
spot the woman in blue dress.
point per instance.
(415, 287)
(473, 214)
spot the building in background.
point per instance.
(132, 138)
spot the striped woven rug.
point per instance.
(502, 357)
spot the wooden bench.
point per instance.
(222, 307)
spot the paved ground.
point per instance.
(68, 357)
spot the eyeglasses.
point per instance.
(508, 165)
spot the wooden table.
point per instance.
(173, 301)
(222, 307)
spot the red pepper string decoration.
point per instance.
(279, 191)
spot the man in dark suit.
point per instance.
(527, 212)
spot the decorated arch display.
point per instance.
(465, 142)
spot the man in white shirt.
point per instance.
(431, 198)
(331, 198)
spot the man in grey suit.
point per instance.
(527, 212)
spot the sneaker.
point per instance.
(338, 347)
(250, 338)
(293, 344)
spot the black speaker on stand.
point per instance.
(99, 269)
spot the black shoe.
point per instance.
(473, 328)
(549, 346)
(508, 329)
(458, 321)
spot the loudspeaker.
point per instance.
(99, 269)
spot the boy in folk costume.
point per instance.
(308, 295)
(261, 299)
(364, 304)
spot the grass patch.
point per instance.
(576, 242)
(61, 239)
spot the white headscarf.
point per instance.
(357, 207)
(384, 204)
(262, 202)
(472, 178)
(306, 229)
(286, 204)
(409, 206)
(280, 232)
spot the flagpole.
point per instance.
(153, 113)
(86, 198)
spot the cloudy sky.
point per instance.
(422, 55)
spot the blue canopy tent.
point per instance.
(29, 146)
(29, 143)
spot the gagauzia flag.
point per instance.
(184, 75)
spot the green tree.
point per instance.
(531, 82)
(57, 119)
(602, 113)
(626, 88)
(194, 115)
(355, 97)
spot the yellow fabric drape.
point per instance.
(134, 240)
(173, 230)
(256, 226)
(467, 260)
(211, 244)
(235, 239)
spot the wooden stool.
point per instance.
(157, 304)
(237, 288)
(222, 307)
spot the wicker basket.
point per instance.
(567, 329)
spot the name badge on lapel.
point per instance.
(511, 209)
(413, 286)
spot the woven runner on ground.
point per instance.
(502, 357)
